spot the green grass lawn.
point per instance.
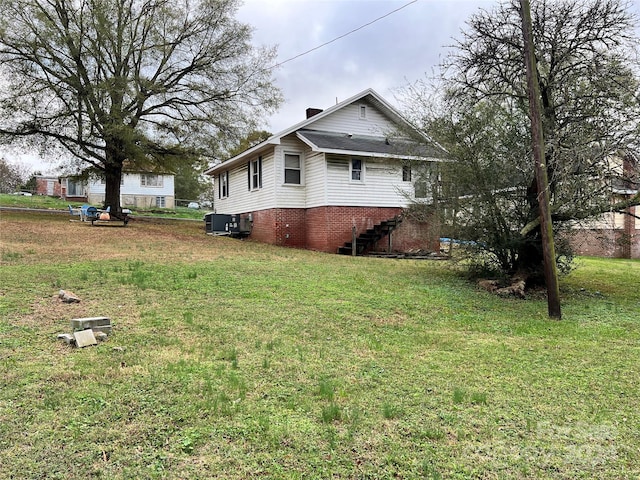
(233, 359)
(54, 203)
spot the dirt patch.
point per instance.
(35, 238)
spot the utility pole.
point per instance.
(537, 137)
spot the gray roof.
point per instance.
(347, 143)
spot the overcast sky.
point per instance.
(385, 55)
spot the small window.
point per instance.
(75, 188)
(356, 170)
(406, 173)
(427, 181)
(223, 185)
(363, 112)
(292, 169)
(254, 172)
(161, 202)
(150, 180)
(421, 189)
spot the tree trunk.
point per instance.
(530, 263)
(113, 176)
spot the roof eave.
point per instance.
(358, 153)
(233, 161)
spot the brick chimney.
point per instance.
(313, 111)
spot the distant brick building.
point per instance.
(614, 235)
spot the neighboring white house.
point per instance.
(141, 190)
(344, 167)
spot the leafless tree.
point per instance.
(586, 54)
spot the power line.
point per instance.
(343, 35)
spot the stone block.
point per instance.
(68, 297)
(85, 338)
(68, 339)
(100, 336)
(100, 324)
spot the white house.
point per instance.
(138, 189)
(349, 166)
(141, 190)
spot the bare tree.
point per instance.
(11, 176)
(140, 81)
(590, 92)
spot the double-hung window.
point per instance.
(292, 169)
(356, 168)
(150, 180)
(223, 185)
(406, 173)
(254, 174)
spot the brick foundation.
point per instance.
(327, 228)
(606, 243)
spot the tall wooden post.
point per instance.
(354, 236)
(546, 226)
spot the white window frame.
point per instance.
(352, 170)
(406, 173)
(255, 174)
(362, 112)
(300, 168)
(161, 202)
(223, 187)
(151, 180)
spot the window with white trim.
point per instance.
(406, 173)
(254, 173)
(356, 170)
(363, 112)
(161, 202)
(292, 168)
(150, 180)
(223, 185)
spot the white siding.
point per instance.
(291, 196)
(382, 185)
(133, 193)
(325, 180)
(347, 120)
(241, 199)
(316, 180)
(131, 185)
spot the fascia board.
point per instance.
(376, 155)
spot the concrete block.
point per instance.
(106, 329)
(68, 339)
(102, 324)
(85, 338)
